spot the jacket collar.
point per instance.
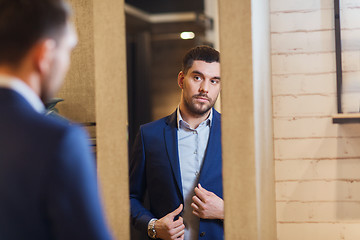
(24, 90)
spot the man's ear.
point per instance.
(181, 79)
(43, 55)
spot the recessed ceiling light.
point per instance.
(187, 35)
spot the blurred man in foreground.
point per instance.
(48, 186)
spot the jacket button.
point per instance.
(202, 234)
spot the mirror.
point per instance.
(158, 35)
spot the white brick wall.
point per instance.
(318, 231)
(317, 163)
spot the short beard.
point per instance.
(198, 111)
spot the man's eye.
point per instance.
(197, 78)
(214, 81)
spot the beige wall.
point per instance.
(238, 121)
(111, 111)
(78, 90)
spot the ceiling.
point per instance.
(168, 6)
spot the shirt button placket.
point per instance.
(197, 145)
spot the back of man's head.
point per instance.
(25, 22)
(202, 53)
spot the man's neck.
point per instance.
(193, 120)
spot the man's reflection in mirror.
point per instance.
(177, 160)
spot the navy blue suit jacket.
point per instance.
(48, 187)
(154, 167)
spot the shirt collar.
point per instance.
(181, 120)
(24, 90)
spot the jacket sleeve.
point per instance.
(140, 216)
(72, 199)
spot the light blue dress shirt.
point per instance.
(192, 145)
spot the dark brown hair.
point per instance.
(202, 53)
(24, 22)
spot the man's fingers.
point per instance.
(196, 213)
(194, 206)
(204, 190)
(199, 193)
(177, 230)
(182, 237)
(180, 234)
(179, 222)
(167, 228)
(198, 202)
(176, 211)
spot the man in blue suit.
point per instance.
(177, 160)
(48, 187)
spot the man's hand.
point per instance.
(166, 228)
(206, 204)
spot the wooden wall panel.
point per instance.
(237, 120)
(78, 90)
(111, 112)
(248, 167)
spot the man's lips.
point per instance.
(202, 99)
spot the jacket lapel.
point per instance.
(170, 133)
(213, 148)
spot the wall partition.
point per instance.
(111, 112)
(247, 139)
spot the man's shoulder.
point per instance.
(62, 128)
(39, 137)
(51, 129)
(48, 123)
(20, 113)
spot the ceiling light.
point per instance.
(187, 35)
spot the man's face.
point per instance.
(201, 87)
(53, 79)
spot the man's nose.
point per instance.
(204, 87)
